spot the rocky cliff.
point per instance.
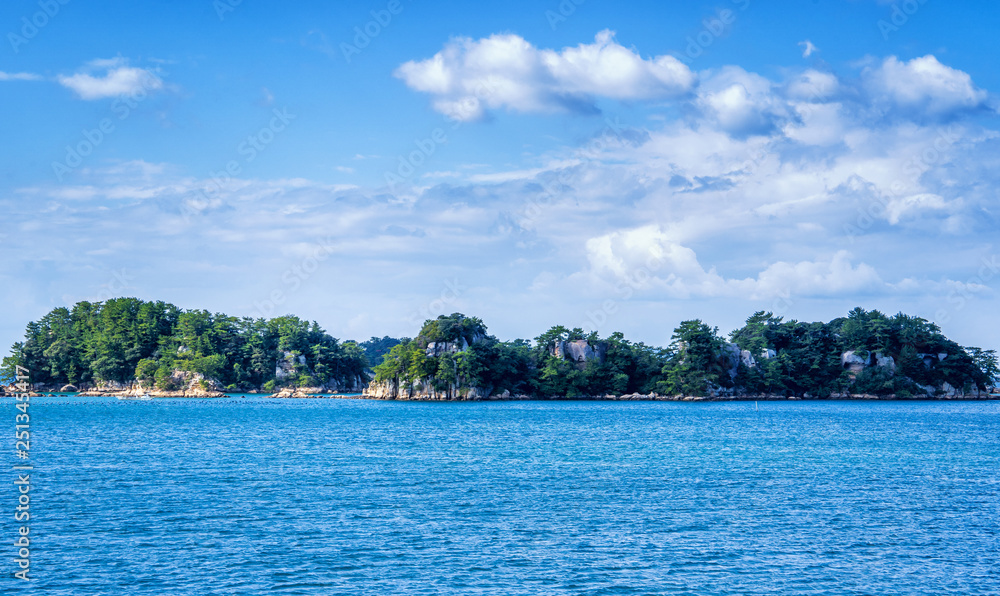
(579, 351)
(446, 336)
(424, 390)
(856, 362)
(188, 384)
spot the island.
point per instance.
(129, 347)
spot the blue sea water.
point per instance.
(248, 495)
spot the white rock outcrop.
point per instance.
(579, 351)
(885, 362)
(853, 362)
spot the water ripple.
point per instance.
(356, 497)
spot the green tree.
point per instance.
(753, 336)
(9, 364)
(697, 365)
(989, 367)
(146, 369)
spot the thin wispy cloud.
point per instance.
(19, 76)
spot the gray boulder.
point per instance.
(853, 362)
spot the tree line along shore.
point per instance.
(130, 346)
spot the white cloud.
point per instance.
(646, 251)
(740, 103)
(607, 69)
(833, 277)
(923, 85)
(19, 76)
(750, 197)
(647, 258)
(469, 77)
(910, 205)
(110, 78)
(814, 86)
(522, 174)
(818, 124)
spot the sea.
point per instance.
(246, 495)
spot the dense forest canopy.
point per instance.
(376, 348)
(899, 355)
(126, 339)
(485, 362)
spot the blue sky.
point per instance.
(615, 166)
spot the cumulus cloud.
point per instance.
(756, 193)
(469, 77)
(813, 86)
(923, 86)
(818, 125)
(806, 151)
(649, 259)
(835, 276)
(112, 77)
(741, 103)
(647, 249)
(819, 108)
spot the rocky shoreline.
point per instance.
(422, 391)
(305, 394)
(289, 394)
(198, 392)
(695, 398)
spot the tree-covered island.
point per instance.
(126, 344)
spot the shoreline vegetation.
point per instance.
(128, 347)
(638, 397)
